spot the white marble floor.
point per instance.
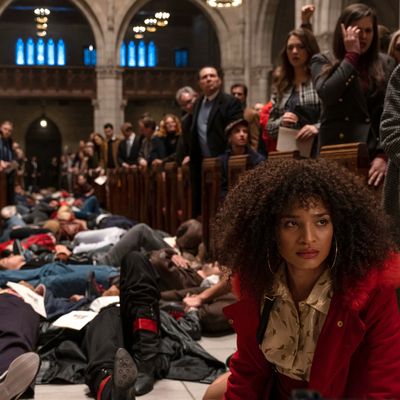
(220, 348)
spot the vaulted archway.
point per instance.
(43, 140)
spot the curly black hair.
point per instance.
(244, 231)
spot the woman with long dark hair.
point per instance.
(352, 87)
(295, 101)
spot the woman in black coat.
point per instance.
(352, 87)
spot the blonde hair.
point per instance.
(162, 131)
(392, 44)
(8, 211)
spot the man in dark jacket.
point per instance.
(7, 158)
(213, 111)
(128, 149)
(186, 97)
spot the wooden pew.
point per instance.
(237, 165)
(157, 198)
(171, 197)
(353, 156)
(210, 195)
(117, 198)
(278, 155)
(101, 193)
(134, 194)
(145, 195)
(124, 205)
(3, 189)
(112, 183)
(184, 193)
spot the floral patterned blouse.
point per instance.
(291, 336)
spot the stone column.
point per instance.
(259, 88)
(109, 105)
(232, 75)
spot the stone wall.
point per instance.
(74, 119)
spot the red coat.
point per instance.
(357, 353)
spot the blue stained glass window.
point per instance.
(181, 57)
(89, 56)
(19, 52)
(40, 52)
(60, 52)
(122, 55)
(51, 52)
(30, 52)
(142, 54)
(86, 56)
(93, 57)
(131, 54)
(151, 55)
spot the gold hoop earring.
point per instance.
(269, 264)
(335, 257)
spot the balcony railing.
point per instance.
(80, 82)
(70, 82)
(157, 82)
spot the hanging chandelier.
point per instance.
(41, 18)
(224, 3)
(42, 11)
(162, 18)
(151, 24)
(139, 31)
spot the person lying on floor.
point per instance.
(18, 339)
(142, 237)
(64, 280)
(141, 320)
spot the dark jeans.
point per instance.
(62, 279)
(141, 236)
(139, 284)
(91, 207)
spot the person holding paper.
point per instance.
(295, 102)
(352, 87)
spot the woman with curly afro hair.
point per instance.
(317, 272)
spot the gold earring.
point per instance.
(268, 263)
(334, 258)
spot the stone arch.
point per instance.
(91, 11)
(262, 35)
(263, 31)
(214, 16)
(44, 143)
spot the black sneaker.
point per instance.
(21, 373)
